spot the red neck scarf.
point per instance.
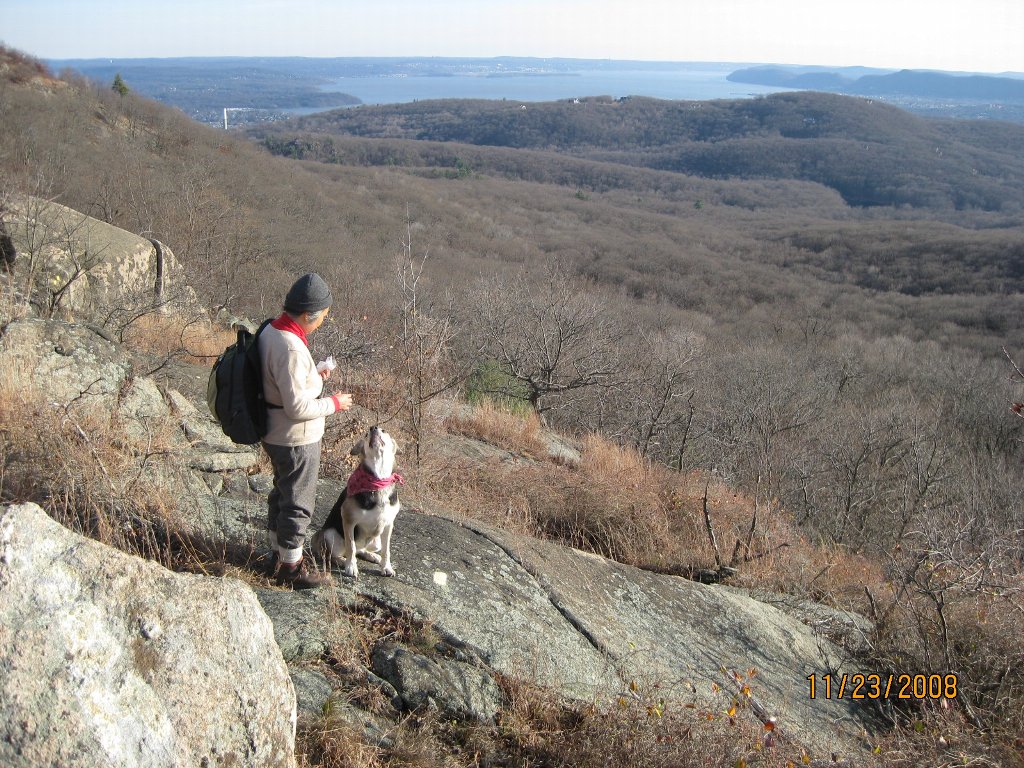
(286, 323)
(363, 480)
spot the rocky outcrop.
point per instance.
(65, 362)
(590, 627)
(84, 267)
(107, 659)
(502, 605)
(576, 623)
(75, 367)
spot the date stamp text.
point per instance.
(874, 687)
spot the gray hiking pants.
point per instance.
(290, 504)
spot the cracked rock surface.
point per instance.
(588, 626)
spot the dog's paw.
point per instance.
(373, 557)
(388, 570)
(352, 570)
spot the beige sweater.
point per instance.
(290, 380)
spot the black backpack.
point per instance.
(235, 389)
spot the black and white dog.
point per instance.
(363, 517)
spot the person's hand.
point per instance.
(342, 401)
(325, 374)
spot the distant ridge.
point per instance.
(788, 78)
(922, 84)
(939, 85)
(870, 152)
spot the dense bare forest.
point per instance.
(815, 299)
(871, 153)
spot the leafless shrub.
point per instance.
(552, 339)
(78, 464)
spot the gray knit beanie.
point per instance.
(309, 294)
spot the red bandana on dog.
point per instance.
(363, 480)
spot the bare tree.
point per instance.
(662, 397)
(57, 252)
(654, 408)
(1017, 407)
(425, 338)
(551, 338)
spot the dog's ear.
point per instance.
(357, 449)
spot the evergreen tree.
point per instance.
(119, 86)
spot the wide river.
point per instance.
(699, 82)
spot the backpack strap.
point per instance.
(256, 342)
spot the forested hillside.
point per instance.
(871, 153)
(804, 297)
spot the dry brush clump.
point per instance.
(618, 504)
(612, 513)
(191, 339)
(536, 727)
(941, 736)
(336, 743)
(634, 728)
(86, 468)
(519, 433)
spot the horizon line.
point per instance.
(195, 57)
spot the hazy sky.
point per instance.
(954, 35)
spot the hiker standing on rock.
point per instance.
(295, 418)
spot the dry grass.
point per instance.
(190, 338)
(538, 728)
(84, 468)
(620, 505)
(552, 502)
(336, 743)
(613, 503)
(492, 424)
(638, 728)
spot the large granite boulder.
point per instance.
(66, 363)
(107, 659)
(83, 267)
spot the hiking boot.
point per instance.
(265, 565)
(300, 576)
